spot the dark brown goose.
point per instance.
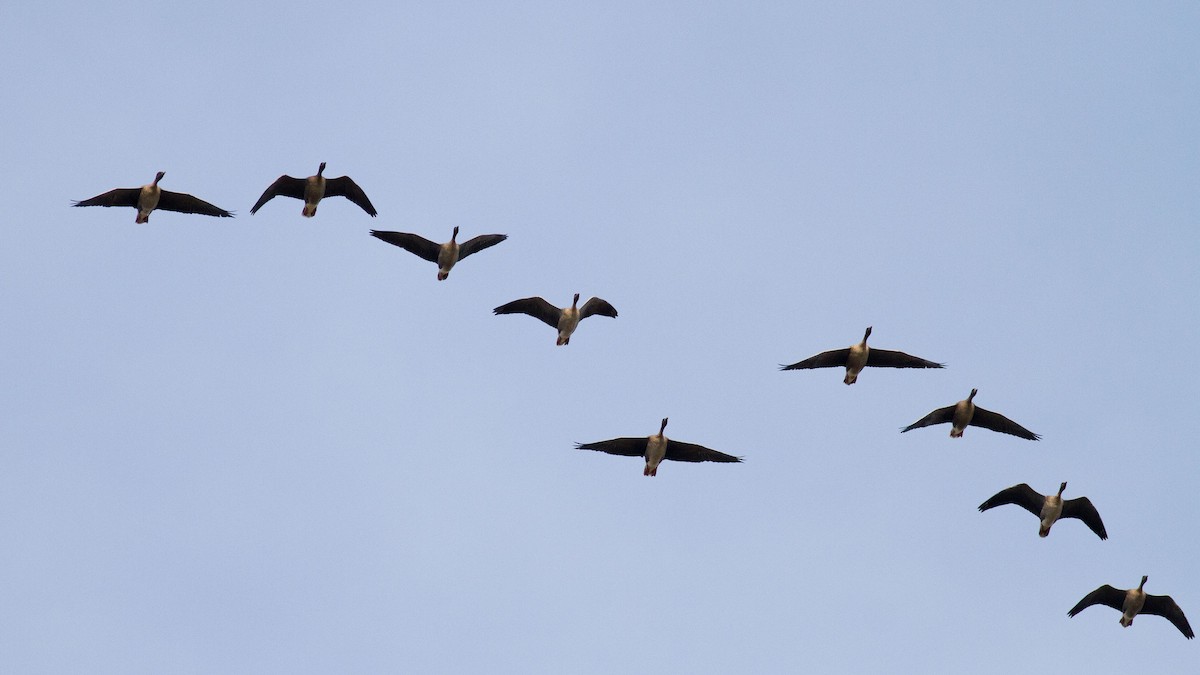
(313, 189)
(445, 255)
(657, 448)
(1049, 508)
(966, 413)
(859, 356)
(563, 320)
(149, 197)
(1135, 601)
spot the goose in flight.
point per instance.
(149, 197)
(657, 448)
(1135, 601)
(563, 320)
(1049, 508)
(966, 413)
(313, 189)
(859, 356)
(445, 255)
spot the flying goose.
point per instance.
(1133, 602)
(859, 356)
(445, 255)
(562, 320)
(966, 413)
(149, 197)
(313, 189)
(656, 448)
(1049, 508)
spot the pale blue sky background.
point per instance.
(273, 444)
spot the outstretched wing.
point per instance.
(690, 452)
(412, 243)
(284, 186)
(830, 359)
(997, 422)
(884, 358)
(1081, 508)
(342, 186)
(117, 197)
(185, 203)
(939, 416)
(535, 307)
(1164, 606)
(630, 447)
(1022, 495)
(597, 306)
(477, 244)
(1105, 595)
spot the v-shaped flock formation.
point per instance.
(656, 448)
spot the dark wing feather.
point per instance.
(342, 186)
(1081, 508)
(630, 447)
(117, 197)
(884, 358)
(412, 243)
(477, 244)
(939, 416)
(690, 452)
(1022, 495)
(597, 306)
(185, 203)
(284, 186)
(535, 307)
(830, 359)
(1164, 606)
(1105, 595)
(997, 422)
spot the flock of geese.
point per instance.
(656, 448)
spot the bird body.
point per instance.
(657, 448)
(564, 320)
(1136, 601)
(965, 413)
(859, 356)
(1049, 508)
(313, 189)
(445, 255)
(149, 197)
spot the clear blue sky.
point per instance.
(272, 444)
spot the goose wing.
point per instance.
(342, 186)
(1022, 495)
(413, 243)
(939, 416)
(690, 452)
(477, 244)
(1105, 595)
(1164, 606)
(885, 358)
(1081, 508)
(117, 197)
(630, 447)
(596, 305)
(185, 203)
(538, 308)
(830, 359)
(285, 186)
(997, 422)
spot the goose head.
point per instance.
(1061, 488)
(158, 177)
(575, 301)
(866, 335)
(662, 427)
(455, 233)
(1144, 578)
(321, 169)
(973, 392)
